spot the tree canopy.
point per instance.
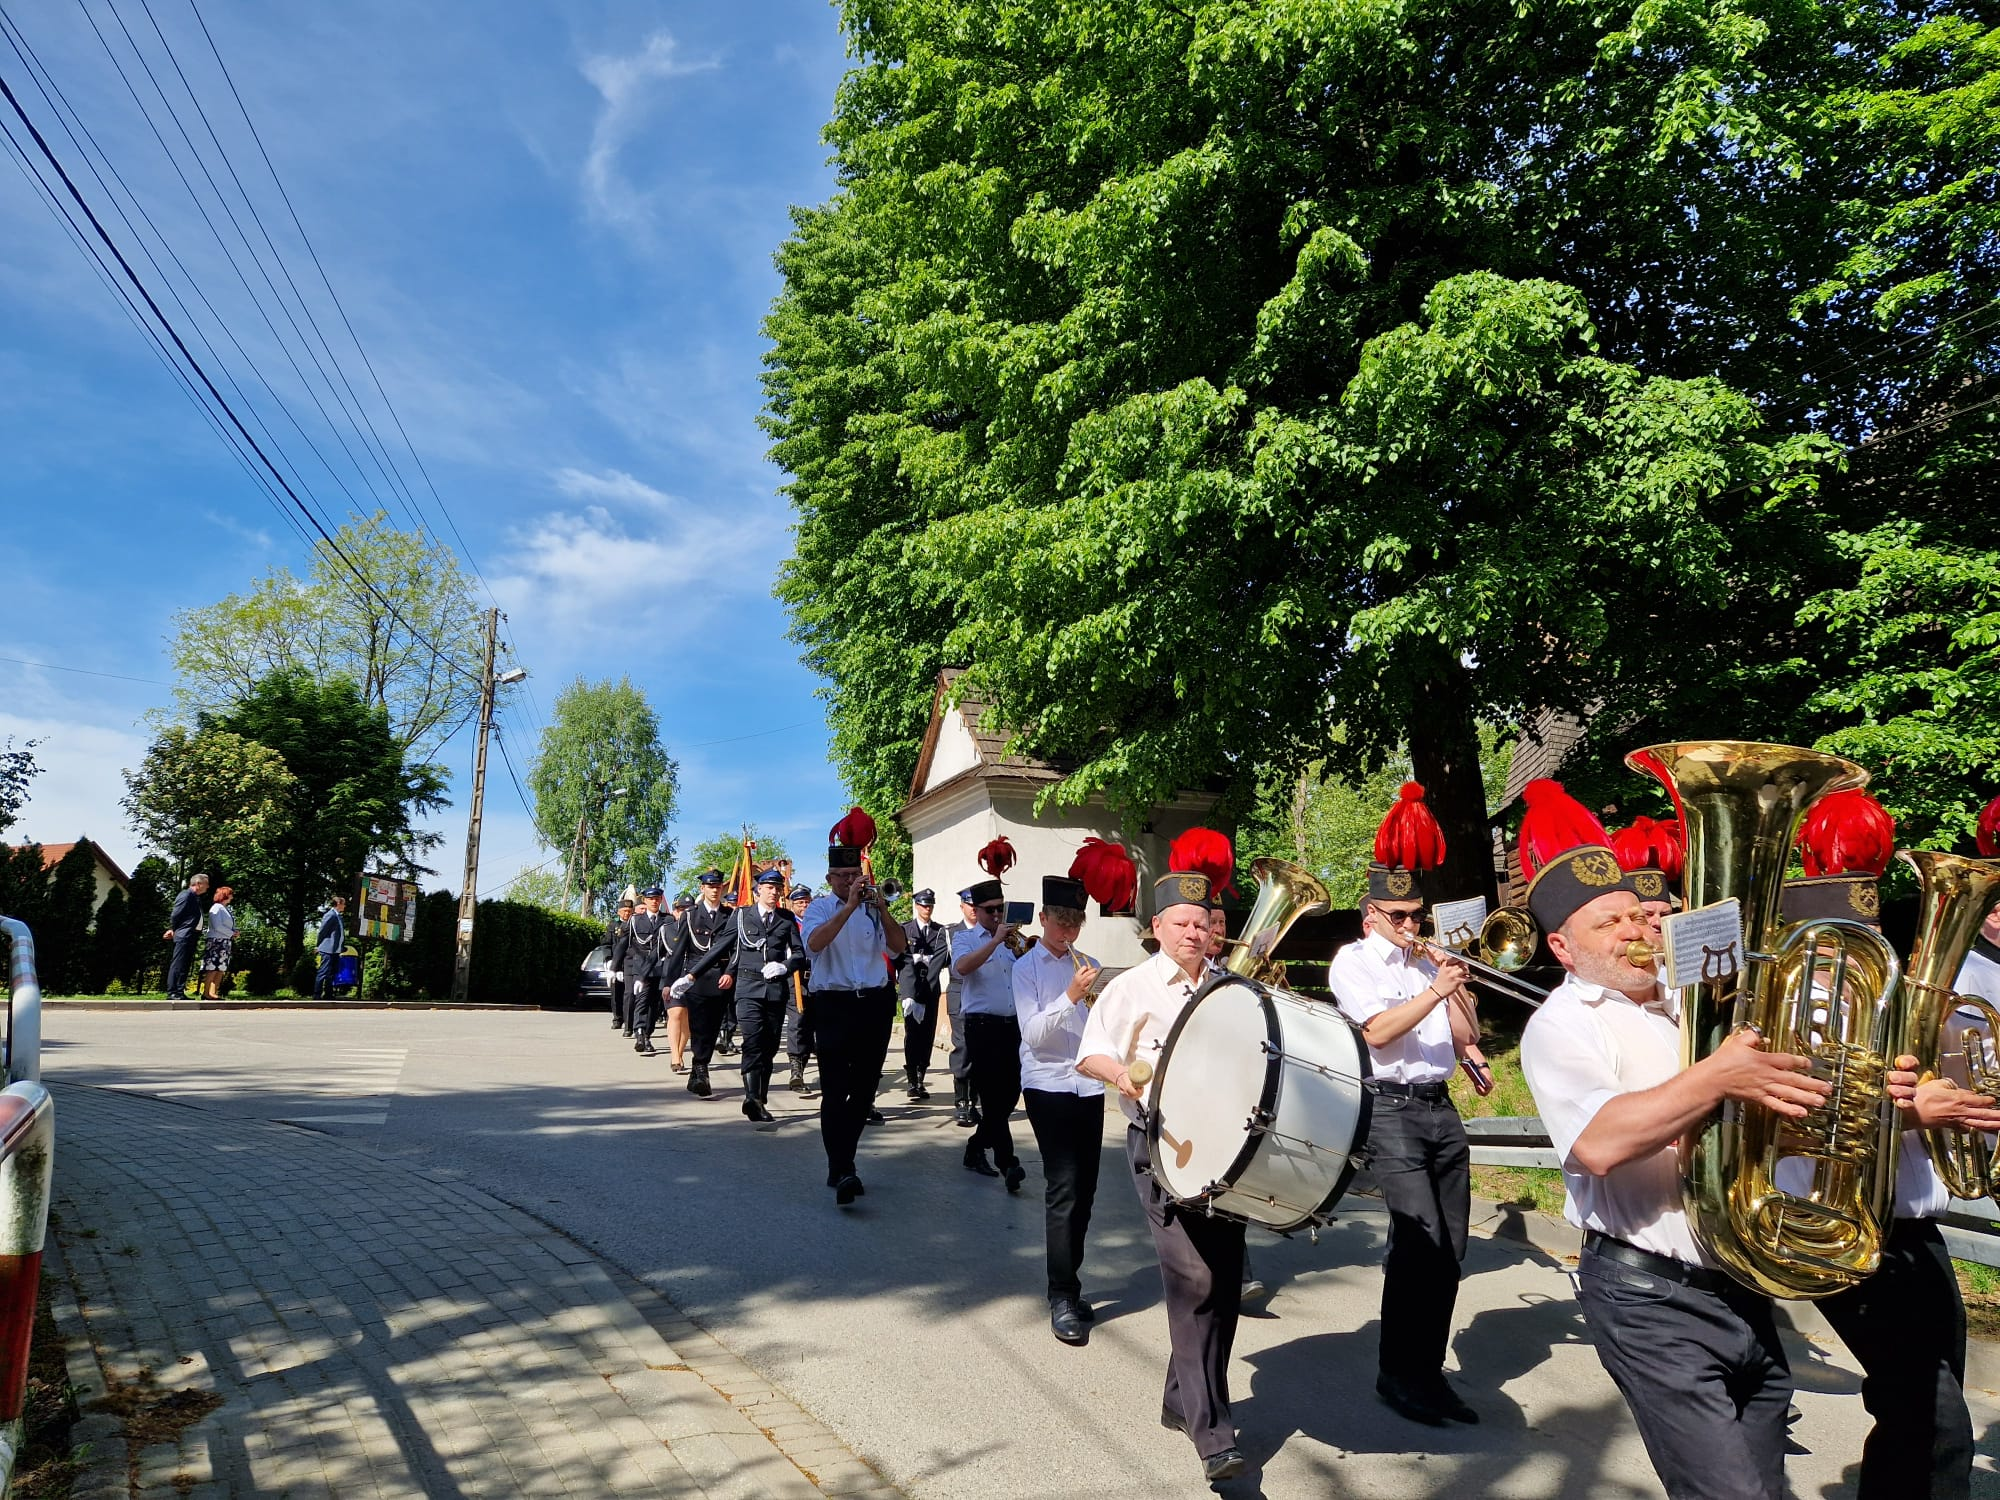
(211, 801)
(600, 766)
(17, 769)
(1205, 376)
(721, 853)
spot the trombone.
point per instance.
(1507, 942)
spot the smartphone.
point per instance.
(1482, 1077)
(1020, 913)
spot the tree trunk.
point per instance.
(1444, 754)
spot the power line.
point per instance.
(49, 666)
(526, 806)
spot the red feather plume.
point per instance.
(1107, 873)
(1649, 845)
(1847, 832)
(997, 858)
(1206, 852)
(1987, 837)
(855, 831)
(1554, 824)
(1409, 838)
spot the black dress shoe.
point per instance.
(1448, 1401)
(756, 1111)
(725, 1049)
(1016, 1175)
(698, 1083)
(913, 1096)
(963, 1118)
(975, 1161)
(1224, 1465)
(1408, 1399)
(1173, 1421)
(874, 1117)
(1085, 1311)
(847, 1190)
(1065, 1323)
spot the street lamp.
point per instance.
(468, 894)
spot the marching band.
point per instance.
(1787, 1120)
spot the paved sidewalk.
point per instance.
(273, 1313)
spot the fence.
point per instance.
(1971, 1227)
(27, 1168)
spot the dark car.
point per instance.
(593, 984)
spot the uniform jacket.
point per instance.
(646, 944)
(700, 931)
(920, 970)
(750, 941)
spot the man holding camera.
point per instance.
(983, 967)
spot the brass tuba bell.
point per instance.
(1284, 894)
(1827, 990)
(1954, 895)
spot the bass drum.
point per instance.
(1259, 1109)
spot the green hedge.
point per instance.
(526, 955)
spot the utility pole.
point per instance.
(468, 894)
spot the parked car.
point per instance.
(593, 984)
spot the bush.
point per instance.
(260, 952)
(303, 973)
(528, 955)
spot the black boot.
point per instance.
(962, 1099)
(915, 1092)
(698, 1082)
(797, 1082)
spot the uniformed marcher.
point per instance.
(983, 966)
(708, 995)
(1201, 1258)
(920, 974)
(965, 1110)
(798, 1018)
(616, 935)
(1906, 1323)
(1054, 986)
(643, 961)
(759, 947)
(1402, 1000)
(852, 1002)
(1695, 1353)
(677, 1008)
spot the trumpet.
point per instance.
(1507, 939)
(1079, 961)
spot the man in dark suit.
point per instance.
(184, 927)
(332, 940)
(920, 971)
(617, 935)
(707, 995)
(759, 948)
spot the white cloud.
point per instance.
(77, 793)
(627, 85)
(613, 486)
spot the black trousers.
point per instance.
(919, 1037)
(1069, 1131)
(763, 1026)
(1201, 1274)
(852, 1029)
(618, 1001)
(182, 960)
(960, 1068)
(705, 1023)
(1906, 1325)
(798, 1033)
(1422, 1164)
(993, 1059)
(642, 1004)
(729, 1009)
(1703, 1372)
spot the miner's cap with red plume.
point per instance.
(1408, 844)
(1566, 855)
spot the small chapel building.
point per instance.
(968, 791)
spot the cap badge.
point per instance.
(1601, 868)
(1398, 883)
(1650, 885)
(1192, 887)
(1865, 898)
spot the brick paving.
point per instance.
(369, 1330)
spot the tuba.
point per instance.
(1954, 895)
(1827, 990)
(1284, 894)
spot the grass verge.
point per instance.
(48, 1463)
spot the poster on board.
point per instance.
(388, 908)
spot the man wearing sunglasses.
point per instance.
(1401, 999)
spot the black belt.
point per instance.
(1433, 1093)
(1664, 1266)
(885, 990)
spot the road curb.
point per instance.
(153, 1005)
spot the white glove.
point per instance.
(618, 975)
(909, 1009)
(774, 969)
(917, 1011)
(681, 986)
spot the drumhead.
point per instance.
(1199, 1126)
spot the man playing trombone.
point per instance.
(1403, 1001)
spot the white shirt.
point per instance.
(1373, 975)
(1583, 1048)
(1133, 1016)
(1051, 1024)
(857, 958)
(1979, 976)
(989, 989)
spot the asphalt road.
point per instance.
(914, 1324)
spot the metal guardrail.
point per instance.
(1971, 1227)
(27, 1169)
(24, 1006)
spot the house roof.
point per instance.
(52, 855)
(989, 745)
(1541, 752)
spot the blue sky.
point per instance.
(552, 226)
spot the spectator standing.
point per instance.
(332, 939)
(221, 941)
(183, 929)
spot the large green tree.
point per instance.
(62, 942)
(600, 772)
(1204, 375)
(410, 636)
(211, 801)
